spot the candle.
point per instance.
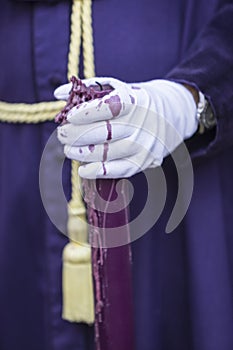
(111, 267)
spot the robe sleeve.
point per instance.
(208, 65)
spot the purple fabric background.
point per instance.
(182, 281)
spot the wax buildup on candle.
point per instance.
(79, 94)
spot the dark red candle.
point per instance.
(111, 266)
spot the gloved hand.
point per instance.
(132, 128)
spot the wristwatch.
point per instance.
(205, 114)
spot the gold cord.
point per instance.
(78, 298)
(87, 36)
(75, 39)
(81, 27)
(75, 203)
(29, 113)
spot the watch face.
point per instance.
(207, 117)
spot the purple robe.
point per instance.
(182, 281)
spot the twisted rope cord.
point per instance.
(75, 204)
(88, 57)
(87, 36)
(75, 39)
(83, 309)
(81, 23)
(29, 113)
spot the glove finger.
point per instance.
(108, 170)
(105, 152)
(119, 168)
(63, 91)
(93, 134)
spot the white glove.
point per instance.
(132, 128)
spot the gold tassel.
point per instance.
(78, 298)
(78, 303)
